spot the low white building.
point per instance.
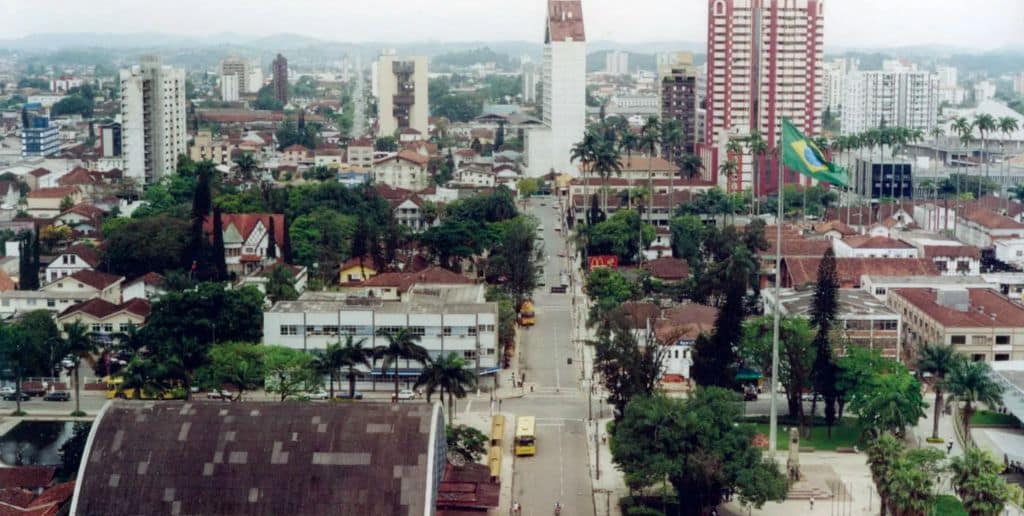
(87, 284)
(865, 246)
(879, 286)
(71, 260)
(148, 286)
(407, 169)
(445, 320)
(982, 228)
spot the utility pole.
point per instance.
(773, 419)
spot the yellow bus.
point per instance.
(526, 442)
(115, 390)
(527, 316)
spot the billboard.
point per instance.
(604, 262)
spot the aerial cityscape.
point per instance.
(569, 257)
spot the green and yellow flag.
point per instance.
(801, 154)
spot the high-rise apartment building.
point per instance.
(677, 79)
(563, 76)
(241, 69)
(280, 67)
(153, 125)
(835, 76)
(902, 99)
(229, 87)
(402, 94)
(764, 64)
(530, 82)
(616, 62)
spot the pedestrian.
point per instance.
(949, 447)
(812, 502)
(499, 404)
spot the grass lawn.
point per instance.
(986, 417)
(844, 435)
(948, 505)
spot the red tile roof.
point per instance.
(878, 242)
(86, 210)
(101, 309)
(86, 253)
(639, 313)
(987, 308)
(245, 223)
(28, 477)
(406, 155)
(952, 251)
(991, 220)
(799, 272)
(684, 322)
(798, 247)
(57, 192)
(405, 280)
(835, 225)
(671, 269)
(95, 279)
(39, 172)
(77, 176)
(150, 278)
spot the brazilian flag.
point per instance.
(801, 154)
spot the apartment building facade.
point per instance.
(153, 127)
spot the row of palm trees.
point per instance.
(601, 149)
(963, 381)
(446, 374)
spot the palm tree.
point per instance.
(729, 169)
(584, 152)
(1007, 125)
(976, 480)
(882, 456)
(965, 130)
(984, 123)
(758, 148)
(447, 374)
(628, 142)
(606, 162)
(400, 344)
(650, 137)
(734, 150)
(971, 383)
(80, 342)
(938, 360)
(353, 354)
(130, 339)
(141, 375)
(672, 140)
(328, 361)
(246, 164)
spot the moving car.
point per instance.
(219, 395)
(407, 394)
(57, 396)
(345, 396)
(12, 396)
(318, 395)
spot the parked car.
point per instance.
(345, 396)
(318, 395)
(219, 395)
(407, 394)
(7, 389)
(12, 397)
(57, 396)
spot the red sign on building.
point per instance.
(604, 262)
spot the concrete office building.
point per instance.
(447, 318)
(153, 119)
(240, 68)
(402, 94)
(565, 87)
(616, 63)
(530, 82)
(901, 99)
(764, 64)
(229, 88)
(835, 80)
(280, 69)
(39, 138)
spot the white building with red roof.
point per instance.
(75, 258)
(866, 246)
(247, 239)
(406, 169)
(105, 319)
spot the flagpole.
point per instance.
(773, 422)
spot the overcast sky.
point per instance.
(983, 24)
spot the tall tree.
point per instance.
(700, 446)
(236, 364)
(937, 360)
(354, 355)
(201, 205)
(219, 260)
(824, 306)
(272, 239)
(628, 368)
(286, 246)
(977, 480)
(80, 343)
(289, 371)
(447, 375)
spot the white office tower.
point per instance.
(153, 119)
(902, 99)
(255, 80)
(616, 63)
(530, 81)
(835, 76)
(238, 67)
(565, 89)
(402, 101)
(947, 76)
(229, 88)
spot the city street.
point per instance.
(559, 471)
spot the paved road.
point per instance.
(559, 471)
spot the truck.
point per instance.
(527, 317)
